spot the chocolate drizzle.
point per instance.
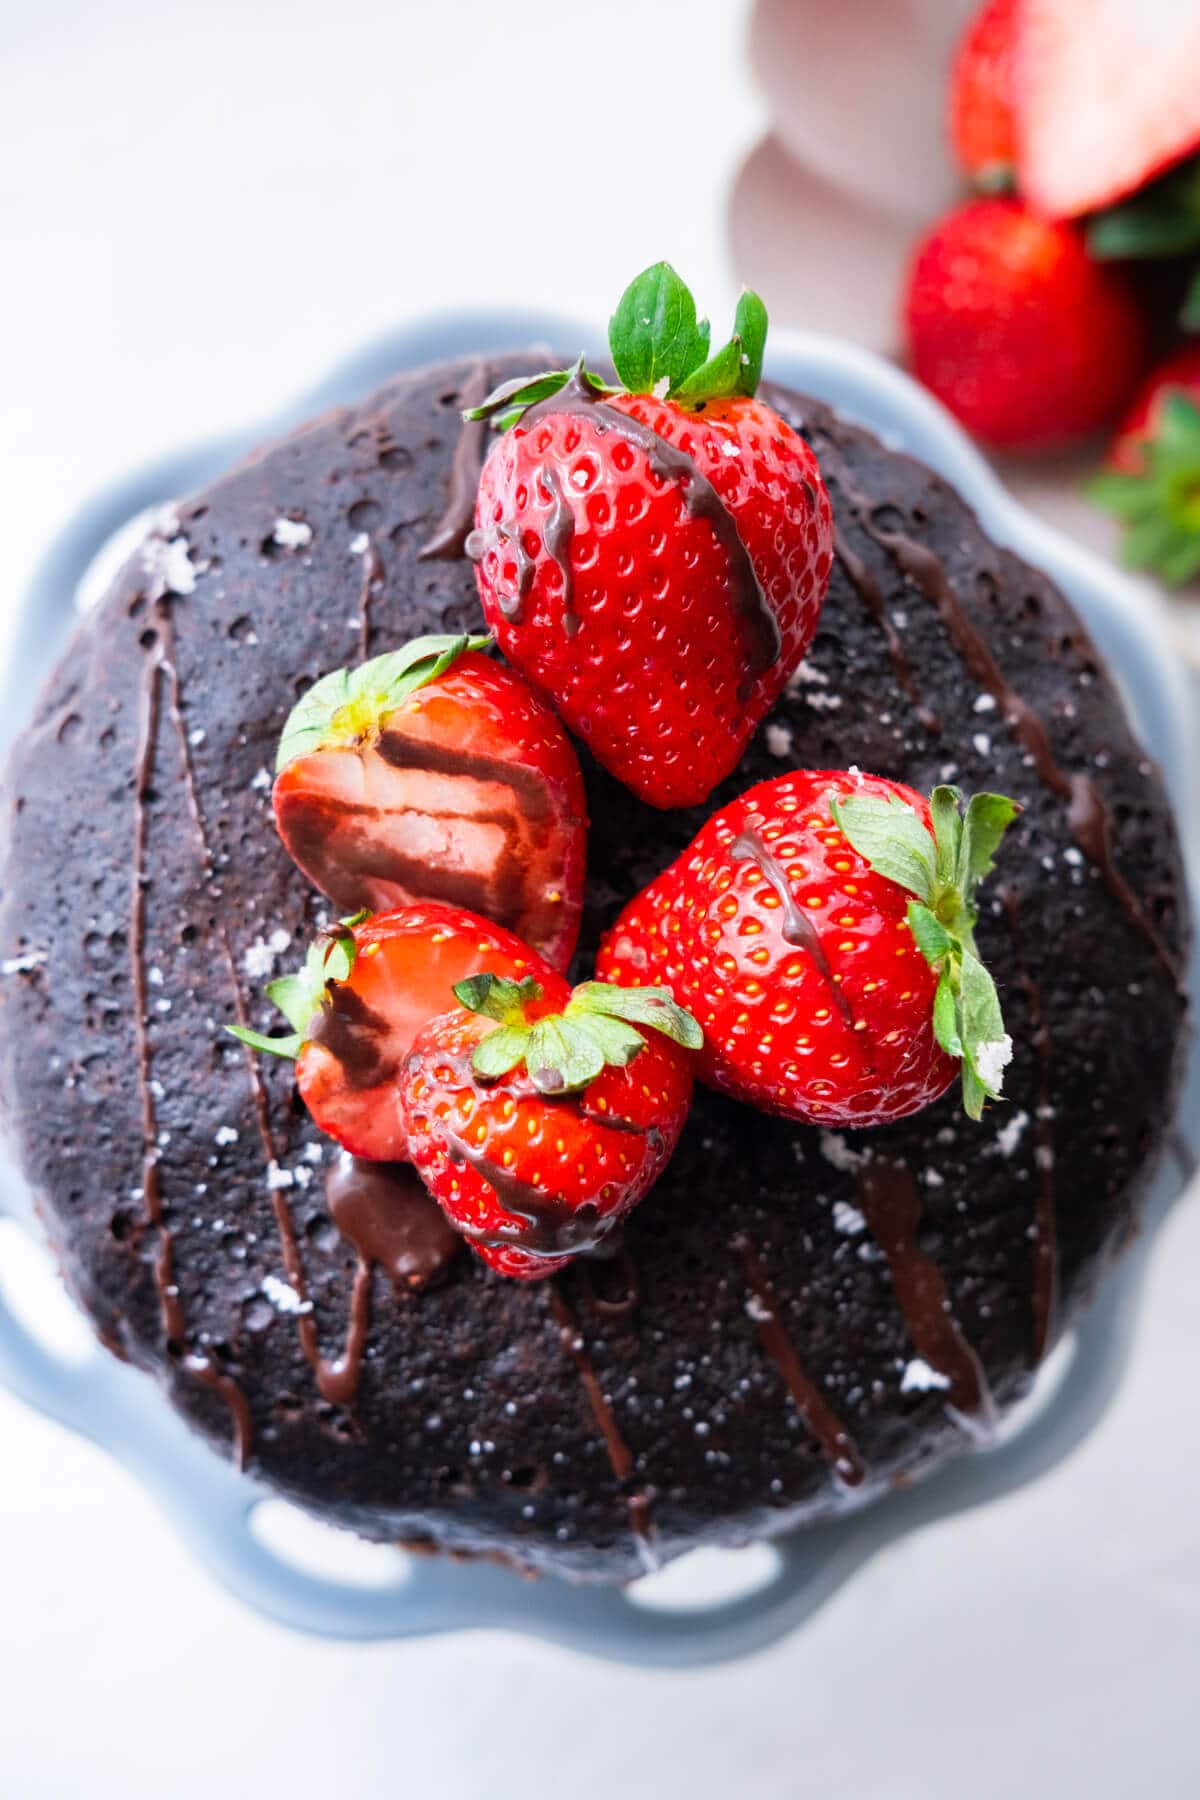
(835, 1441)
(638, 1506)
(1087, 815)
(170, 1304)
(514, 609)
(543, 1225)
(373, 573)
(557, 535)
(871, 595)
(891, 1205)
(353, 1033)
(1045, 1243)
(797, 928)
(700, 498)
(449, 539)
(384, 1211)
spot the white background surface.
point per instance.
(200, 210)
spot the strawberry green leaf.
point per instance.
(500, 1051)
(1160, 506)
(618, 1042)
(933, 940)
(944, 805)
(300, 996)
(506, 403)
(945, 1016)
(945, 875)
(564, 1051)
(987, 1048)
(653, 337)
(994, 178)
(750, 326)
(987, 819)
(273, 1046)
(348, 705)
(1189, 316)
(638, 1006)
(561, 1059)
(1163, 219)
(717, 379)
(496, 997)
(888, 833)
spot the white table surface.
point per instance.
(200, 211)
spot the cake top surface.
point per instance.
(907, 1284)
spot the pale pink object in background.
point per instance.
(826, 208)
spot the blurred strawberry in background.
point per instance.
(1027, 340)
(1007, 197)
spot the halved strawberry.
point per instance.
(1108, 96)
(434, 773)
(367, 988)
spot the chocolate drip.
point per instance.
(373, 573)
(170, 1304)
(871, 595)
(620, 1306)
(355, 1034)
(619, 1454)
(402, 751)
(543, 1225)
(558, 534)
(891, 1205)
(700, 498)
(1087, 815)
(835, 1441)
(797, 928)
(514, 609)
(384, 1211)
(449, 538)
(1045, 1243)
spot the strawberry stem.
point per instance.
(943, 870)
(658, 346)
(563, 1052)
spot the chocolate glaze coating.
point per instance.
(753, 1368)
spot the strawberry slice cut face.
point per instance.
(1107, 98)
(434, 773)
(367, 988)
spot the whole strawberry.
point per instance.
(367, 987)
(538, 1117)
(820, 929)
(1151, 479)
(982, 122)
(655, 556)
(1029, 342)
(434, 773)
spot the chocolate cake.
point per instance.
(794, 1320)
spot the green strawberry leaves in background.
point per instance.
(1160, 506)
(943, 870)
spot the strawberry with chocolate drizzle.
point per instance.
(654, 556)
(367, 987)
(538, 1117)
(435, 773)
(821, 929)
